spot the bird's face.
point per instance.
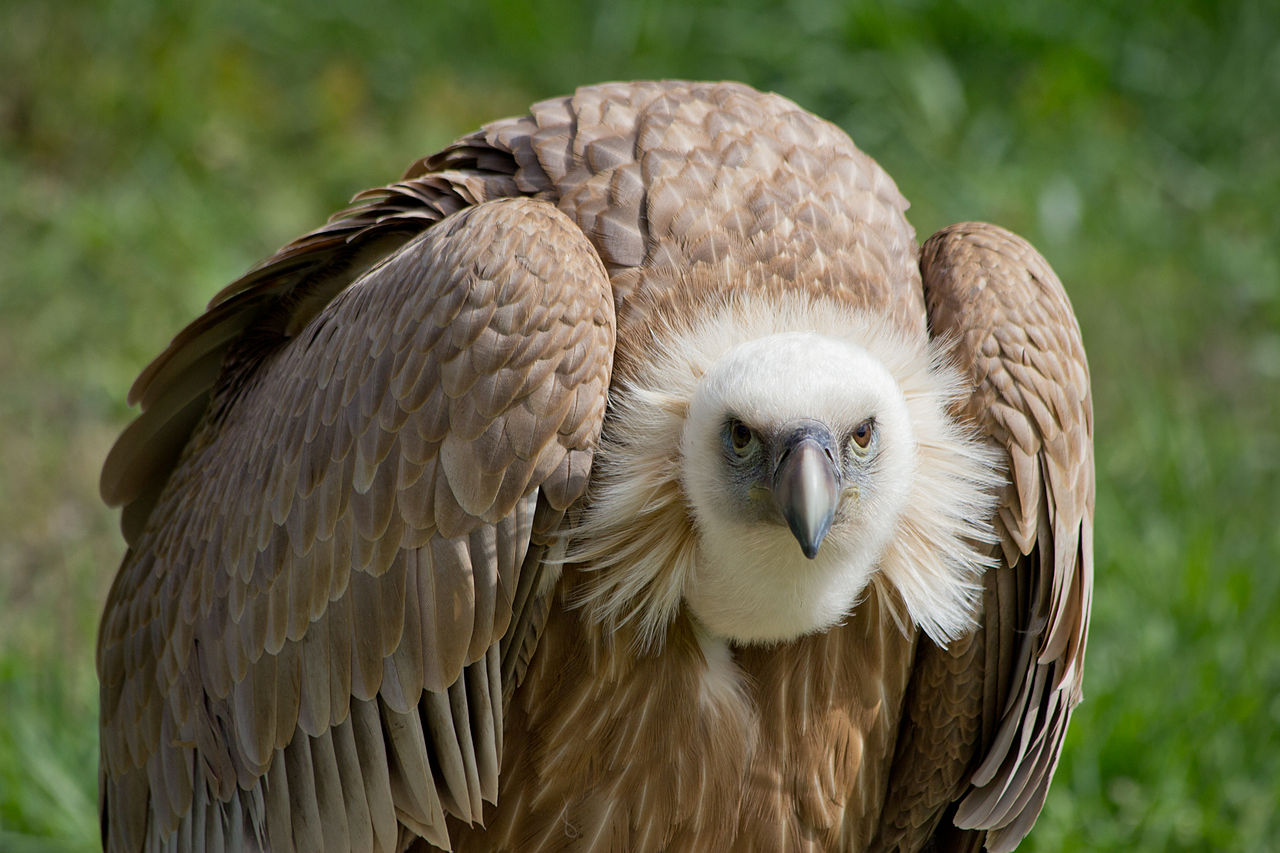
(797, 458)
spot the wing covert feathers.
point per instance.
(302, 646)
(997, 300)
(675, 180)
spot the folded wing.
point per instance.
(305, 645)
(985, 717)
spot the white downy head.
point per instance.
(770, 463)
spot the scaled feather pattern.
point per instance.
(624, 477)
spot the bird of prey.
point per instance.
(623, 478)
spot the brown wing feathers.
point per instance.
(337, 549)
(986, 716)
(1008, 314)
(295, 283)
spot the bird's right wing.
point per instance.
(308, 643)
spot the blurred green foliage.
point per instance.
(150, 151)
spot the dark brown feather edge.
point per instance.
(284, 292)
(1014, 330)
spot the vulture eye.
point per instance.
(861, 434)
(741, 438)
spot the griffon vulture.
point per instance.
(623, 478)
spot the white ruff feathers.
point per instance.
(639, 535)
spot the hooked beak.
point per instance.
(806, 487)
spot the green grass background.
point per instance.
(152, 151)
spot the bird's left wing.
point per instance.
(985, 717)
(305, 646)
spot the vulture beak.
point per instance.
(806, 486)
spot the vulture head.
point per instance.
(783, 468)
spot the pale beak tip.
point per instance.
(807, 491)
